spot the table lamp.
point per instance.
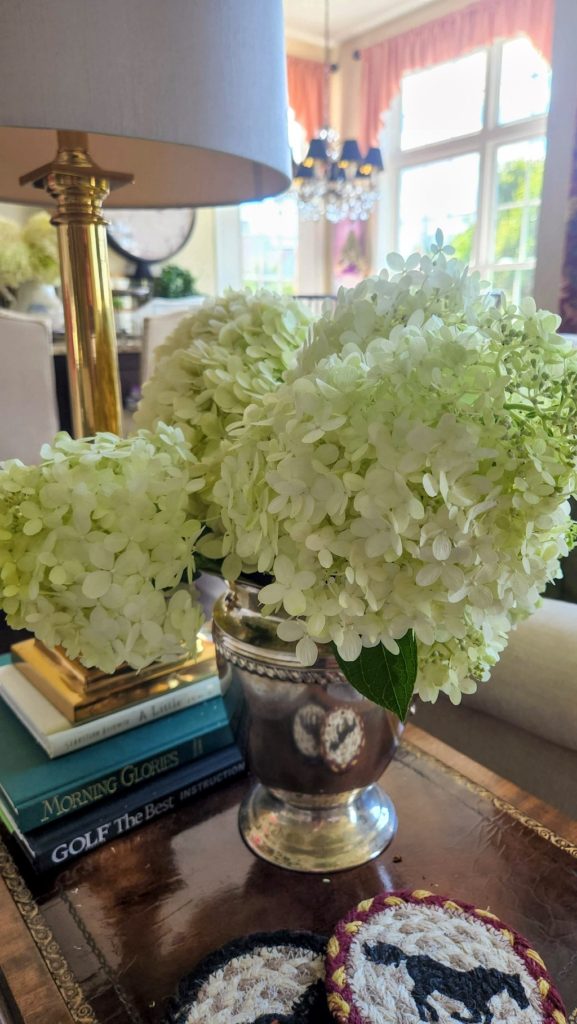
(189, 96)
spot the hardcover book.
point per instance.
(57, 736)
(38, 790)
(54, 845)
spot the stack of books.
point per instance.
(86, 758)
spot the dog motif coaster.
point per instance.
(267, 978)
(413, 957)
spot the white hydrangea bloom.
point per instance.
(230, 352)
(94, 542)
(420, 288)
(412, 474)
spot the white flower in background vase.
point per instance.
(14, 259)
(37, 295)
(39, 298)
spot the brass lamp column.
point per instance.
(79, 187)
(76, 66)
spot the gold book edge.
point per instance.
(83, 679)
(78, 708)
(42, 659)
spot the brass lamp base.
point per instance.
(320, 835)
(79, 187)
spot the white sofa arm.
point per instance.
(534, 685)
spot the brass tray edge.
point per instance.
(72, 995)
(503, 805)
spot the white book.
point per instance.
(58, 736)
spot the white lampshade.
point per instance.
(188, 95)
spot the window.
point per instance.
(465, 148)
(269, 232)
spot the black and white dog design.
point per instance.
(474, 988)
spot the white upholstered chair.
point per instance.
(28, 406)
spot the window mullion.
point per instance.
(493, 83)
(486, 203)
(395, 186)
(487, 176)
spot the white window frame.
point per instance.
(484, 142)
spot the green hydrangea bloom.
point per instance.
(413, 474)
(94, 542)
(229, 353)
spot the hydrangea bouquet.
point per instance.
(14, 257)
(395, 475)
(41, 239)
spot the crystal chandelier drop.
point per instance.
(334, 181)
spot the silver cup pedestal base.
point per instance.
(315, 834)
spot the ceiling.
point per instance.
(305, 19)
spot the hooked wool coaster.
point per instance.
(266, 978)
(409, 957)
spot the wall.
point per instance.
(16, 212)
(198, 255)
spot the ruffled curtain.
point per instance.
(443, 39)
(305, 91)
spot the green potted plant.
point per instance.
(174, 282)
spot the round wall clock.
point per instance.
(148, 236)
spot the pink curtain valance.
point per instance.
(443, 39)
(306, 83)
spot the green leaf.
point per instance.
(386, 679)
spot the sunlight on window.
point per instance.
(525, 82)
(443, 102)
(269, 239)
(442, 195)
(519, 182)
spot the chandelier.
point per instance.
(334, 181)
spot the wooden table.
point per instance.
(108, 939)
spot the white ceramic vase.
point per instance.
(37, 298)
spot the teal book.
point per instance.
(39, 790)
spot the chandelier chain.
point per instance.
(335, 182)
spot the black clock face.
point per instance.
(149, 235)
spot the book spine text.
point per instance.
(65, 742)
(49, 809)
(116, 827)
